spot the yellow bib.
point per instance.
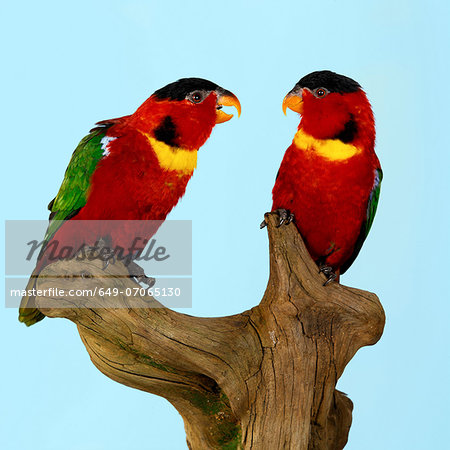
(331, 149)
(173, 158)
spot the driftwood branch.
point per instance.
(262, 379)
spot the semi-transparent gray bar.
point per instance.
(100, 293)
(160, 248)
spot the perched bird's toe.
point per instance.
(149, 281)
(329, 273)
(107, 255)
(137, 272)
(286, 217)
(290, 219)
(108, 258)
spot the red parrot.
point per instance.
(329, 179)
(132, 168)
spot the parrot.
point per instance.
(329, 180)
(132, 168)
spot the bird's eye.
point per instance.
(320, 92)
(196, 97)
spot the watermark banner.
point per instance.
(91, 293)
(59, 257)
(160, 248)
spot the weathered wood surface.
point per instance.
(262, 379)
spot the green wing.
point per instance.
(71, 198)
(72, 194)
(367, 224)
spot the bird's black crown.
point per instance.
(333, 82)
(178, 90)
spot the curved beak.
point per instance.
(226, 98)
(293, 101)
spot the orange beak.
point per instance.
(226, 98)
(294, 102)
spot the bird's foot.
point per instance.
(329, 273)
(108, 258)
(286, 217)
(137, 272)
(149, 281)
(104, 252)
(101, 250)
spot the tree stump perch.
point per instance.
(262, 379)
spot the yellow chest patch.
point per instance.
(331, 149)
(174, 158)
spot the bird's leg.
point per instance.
(286, 217)
(102, 250)
(137, 272)
(328, 272)
(105, 252)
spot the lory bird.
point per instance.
(329, 179)
(133, 168)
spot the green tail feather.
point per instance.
(28, 313)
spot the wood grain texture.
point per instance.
(262, 379)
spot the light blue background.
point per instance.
(67, 65)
